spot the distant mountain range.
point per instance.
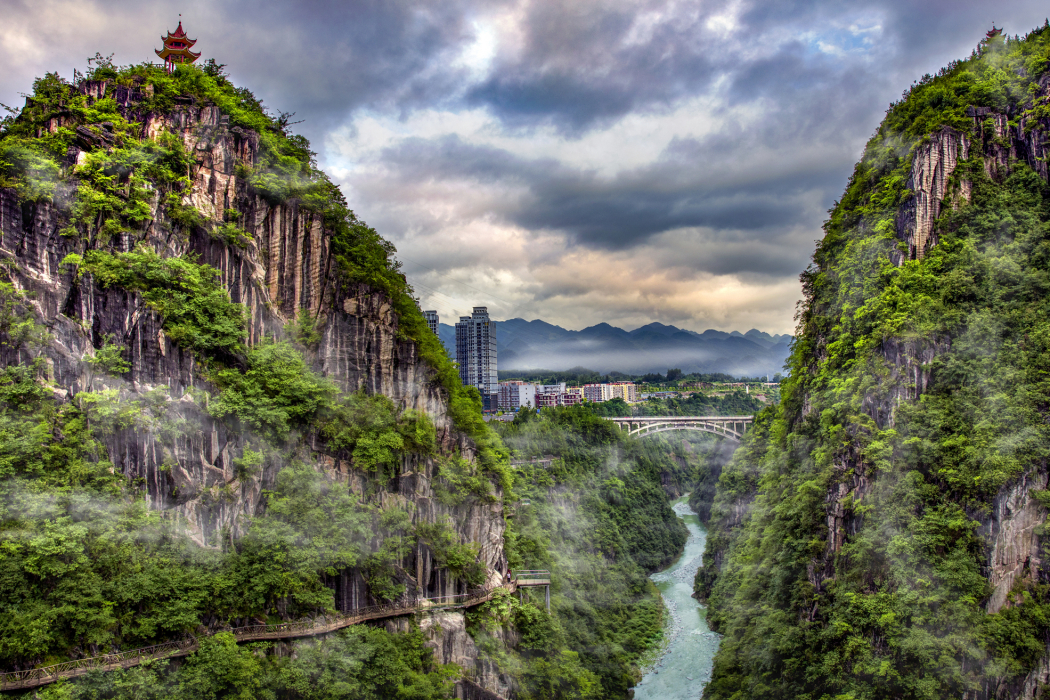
(522, 344)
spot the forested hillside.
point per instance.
(881, 532)
(598, 517)
(219, 403)
(220, 406)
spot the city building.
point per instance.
(594, 392)
(623, 390)
(570, 398)
(514, 395)
(607, 392)
(476, 355)
(432, 320)
(546, 400)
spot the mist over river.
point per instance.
(684, 668)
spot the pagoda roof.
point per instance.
(186, 53)
(180, 35)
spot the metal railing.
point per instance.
(31, 678)
(531, 577)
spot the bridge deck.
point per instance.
(683, 419)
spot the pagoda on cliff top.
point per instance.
(177, 49)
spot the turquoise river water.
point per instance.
(684, 668)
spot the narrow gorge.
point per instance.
(223, 418)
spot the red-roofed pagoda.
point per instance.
(177, 49)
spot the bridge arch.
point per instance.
(729, 427)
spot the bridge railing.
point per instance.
(48, 674)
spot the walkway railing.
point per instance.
(32, 678)
(532, 577)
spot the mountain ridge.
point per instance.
(654, 347)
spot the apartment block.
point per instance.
(432, 320)
(570, 398)
(607, 392)
(514, 395)
(623, 390)
(476, 355)
(546, 400)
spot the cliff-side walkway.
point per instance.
(34, 677)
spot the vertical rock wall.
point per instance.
(932, 166)
(186, 458)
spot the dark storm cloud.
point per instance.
(792, 89)
(587, 62)
(335, 57)
(626, 210)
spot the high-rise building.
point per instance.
(432, 320)
(476, 355)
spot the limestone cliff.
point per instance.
(893, 508)
(282, 268)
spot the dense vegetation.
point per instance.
(358, 663)
(582, 375)
(734, 403)
(598, 518)
(896, 604)
(85, 565)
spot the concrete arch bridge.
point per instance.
(729, 427)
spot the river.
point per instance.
(684, 668)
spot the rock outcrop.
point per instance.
(1013, 535)
(447, 633)
(185, 459)
(932, 166)
(1000, 140)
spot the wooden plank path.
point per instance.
(34, 677)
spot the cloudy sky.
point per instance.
(577, 161)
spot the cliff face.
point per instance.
(1001, 140)
(892, 508)
(283, 269)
